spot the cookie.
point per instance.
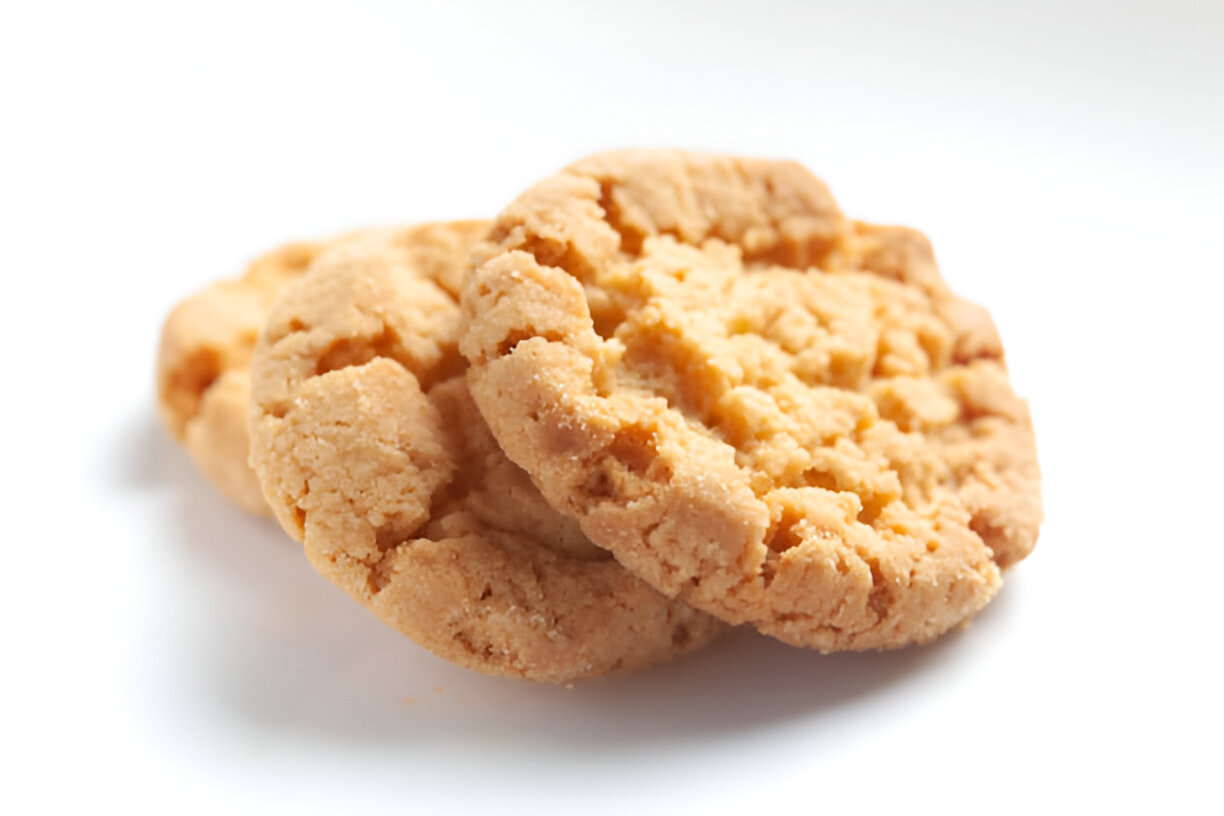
(774, 413)
(370, 451)
(203, 381)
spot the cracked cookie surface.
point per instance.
(370, 450)
(204, 354)
(759, 406)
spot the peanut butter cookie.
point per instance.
(371, 451)
(774, 413)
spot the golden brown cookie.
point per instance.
(371, 451)
(758, 406)
(202, 377)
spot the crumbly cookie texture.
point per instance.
(371, 451)
(202, 377)
(761, 407)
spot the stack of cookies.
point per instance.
(660, 395)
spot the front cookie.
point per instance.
(778, 415)
(372, 453)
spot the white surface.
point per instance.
(1066, 160)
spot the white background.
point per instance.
(166, 652)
